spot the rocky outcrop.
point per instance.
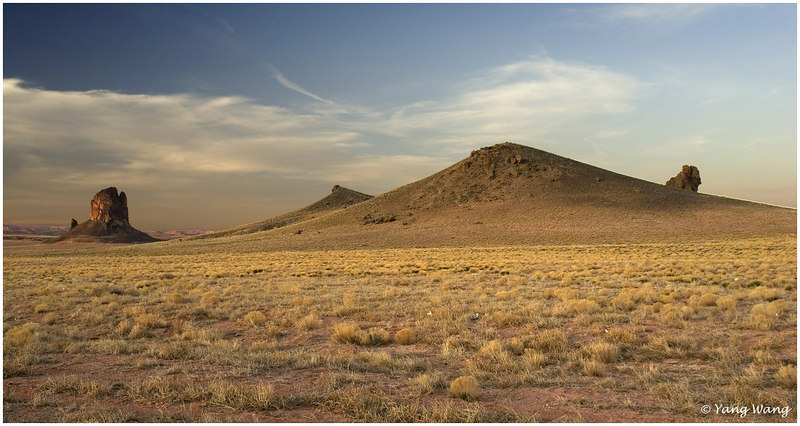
(688, 178)
(107, 206)
(108, 222)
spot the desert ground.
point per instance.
(571, 332)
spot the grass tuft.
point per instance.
(405, 336)
(346, 333)
(464, 387)
(254, 319)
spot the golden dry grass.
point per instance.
(464, 387)
(386, 335)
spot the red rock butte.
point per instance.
(108, 222)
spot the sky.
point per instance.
(209, 116)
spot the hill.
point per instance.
(49, 232)
(108, 222)
(339, 198)
(510, 194)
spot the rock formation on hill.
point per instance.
(108, 222)
(108, 207)
(688, 178)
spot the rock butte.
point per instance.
(688, 178)
(108, 222)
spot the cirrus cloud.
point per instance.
(65, 145)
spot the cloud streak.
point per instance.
(651, 17)
(285, 82)
(180, 144)
(654, 12)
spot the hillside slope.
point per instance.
(510, 194)
(93, 231)
(339, 198)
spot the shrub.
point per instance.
(150, 321)
(623, 302)
(75, 386)
(124, 327)
(706, 299)
(134, 310)
(346, 333)
(255, 318)
(787, 376)
(506, 319)
(464, 387)
(603, 352)
(50, 318)
(138, 331)
(759, 318)
(594, 368)
(676, 313)
(349, 299)
(493, 350)
(777, 307)
(550, 341)
(565, 294)
(534, 358)
(174, 298)
(582, 306)
(21, 336)
(621, 335)
(424, 384)
(765, 293)
(308, 322)
(726, 302)
(210, 298)
(375, 337)
(405, 336)
(516, 346)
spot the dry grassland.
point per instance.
(564, 333)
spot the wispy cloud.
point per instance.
(652, 17)
(64, 146)
(66, 143)
(178, 132)
(523, 101)
(654, 12)
(285, 82)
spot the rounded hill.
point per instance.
(510, 194)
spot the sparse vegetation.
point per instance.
(374, 335)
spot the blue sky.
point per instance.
(209, 116)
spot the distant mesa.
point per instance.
(108, 222)
(688, 178)
(339, 198)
